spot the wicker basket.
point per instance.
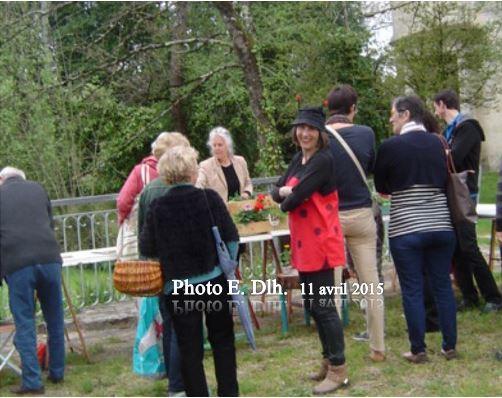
(141, 278)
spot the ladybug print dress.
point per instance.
(316, 235)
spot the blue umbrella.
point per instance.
(229, 266)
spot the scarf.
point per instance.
(412, 126)
(448, 131)
(338, 119)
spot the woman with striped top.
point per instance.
(411, 167)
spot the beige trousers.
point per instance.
(359, 230)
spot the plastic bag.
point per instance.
(148, 359)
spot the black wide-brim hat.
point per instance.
(313, 116)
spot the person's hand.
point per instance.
(245, 196)
(499, 237)
(285, 191)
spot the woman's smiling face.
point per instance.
(308, 137)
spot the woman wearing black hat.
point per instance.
(308, 193)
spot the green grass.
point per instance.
(488, 191)
(281, 364)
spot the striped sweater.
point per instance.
(420, 208)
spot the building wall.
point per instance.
(489, 117)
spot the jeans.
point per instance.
(322, 308)
(431, 312)
(45, 279)
(172, 358)
(426, 252)
(470, 262)
(187, 312)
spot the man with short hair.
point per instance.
(355, 204)
(30, 261)
(464, 135)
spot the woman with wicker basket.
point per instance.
(178, 232)
(147, 354)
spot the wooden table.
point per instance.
(489, 212)
(268, 243)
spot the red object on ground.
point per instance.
(42, 355)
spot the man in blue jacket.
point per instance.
(464, 135)
(30, 261)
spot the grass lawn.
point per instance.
(488, 191)
(281, 364)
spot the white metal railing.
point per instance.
(90, 284)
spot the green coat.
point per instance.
(153, 190)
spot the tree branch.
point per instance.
(385, 10)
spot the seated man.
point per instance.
(30, 262)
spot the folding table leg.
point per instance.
(264, 268)
(284, 314)
(306, 316)
(75, 321)
(493, 244)
(5, 360)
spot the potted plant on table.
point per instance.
(255, 216)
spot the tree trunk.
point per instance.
(180, 10)
(243, 47)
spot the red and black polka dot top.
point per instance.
(316, 235)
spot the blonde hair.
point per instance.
(223, 133)
(178, 164)
(167, 140)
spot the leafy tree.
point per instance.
(91, 84)
(446, 48)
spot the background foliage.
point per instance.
(85, 87)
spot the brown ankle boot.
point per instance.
(323, 370)
(377, 356)
(336, 378)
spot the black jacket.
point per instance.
(466, 148)
(178, 231)
(26, 228)
(317, 175)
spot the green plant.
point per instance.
(285, 255)
(254, 213)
